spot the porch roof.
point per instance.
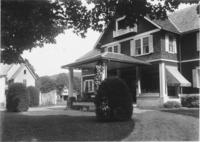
(94, 56)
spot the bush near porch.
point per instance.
(113, 101)
(190, 101)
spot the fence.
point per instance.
(49, 98)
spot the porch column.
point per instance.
(71, 86)
(138, 81)
(162, 78)
(105, 68)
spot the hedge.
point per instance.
(17, 99)
(190, 101)
(34, 96)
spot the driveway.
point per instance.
(58, 124)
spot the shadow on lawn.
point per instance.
(188, 112)
(19, 127)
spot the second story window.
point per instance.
(145, 45)
(138, 47)
(142, 46)
(170, 44)
(24, 71)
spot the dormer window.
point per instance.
(121, 28)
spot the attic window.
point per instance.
(24, 71)
(121, 28)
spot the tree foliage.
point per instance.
(28, 24)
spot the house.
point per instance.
(158, 59)
(14, 73)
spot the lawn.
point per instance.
(57, 124)
(194, 112)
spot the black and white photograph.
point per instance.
(99, 70)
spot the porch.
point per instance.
(149, 84)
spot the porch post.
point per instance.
(71, 87)
(162, 78)
(104, 75)
(138, 82)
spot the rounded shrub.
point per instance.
(172, 104)
(33, 96)
(113, 101)
(17, 99)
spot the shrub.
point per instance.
(34, 96)
(190, 101)
(113, 101)
(17, 98)
(172, 104)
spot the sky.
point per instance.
(69, 47)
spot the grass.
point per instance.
(61, 127)
(57, 124)
(194, 112)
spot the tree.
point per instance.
(46, 84)
(27, 24)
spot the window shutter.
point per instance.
(151, 43)
(174, 45)
(133, 47)
(84, 86)
(198, 46)
(92, 85)
(196, 78)
(166, 43)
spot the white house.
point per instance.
(14, 73)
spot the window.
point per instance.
(109, 49)
(145, 45)
(89, 85)
(115, 48)
(24, 71)
(142, 46)
(121, 29)
(196, 77)
(138, 47)
(24, 82)
(170, 44)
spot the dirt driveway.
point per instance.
(57, 124)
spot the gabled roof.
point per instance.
(187, 19)
(4, 69)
